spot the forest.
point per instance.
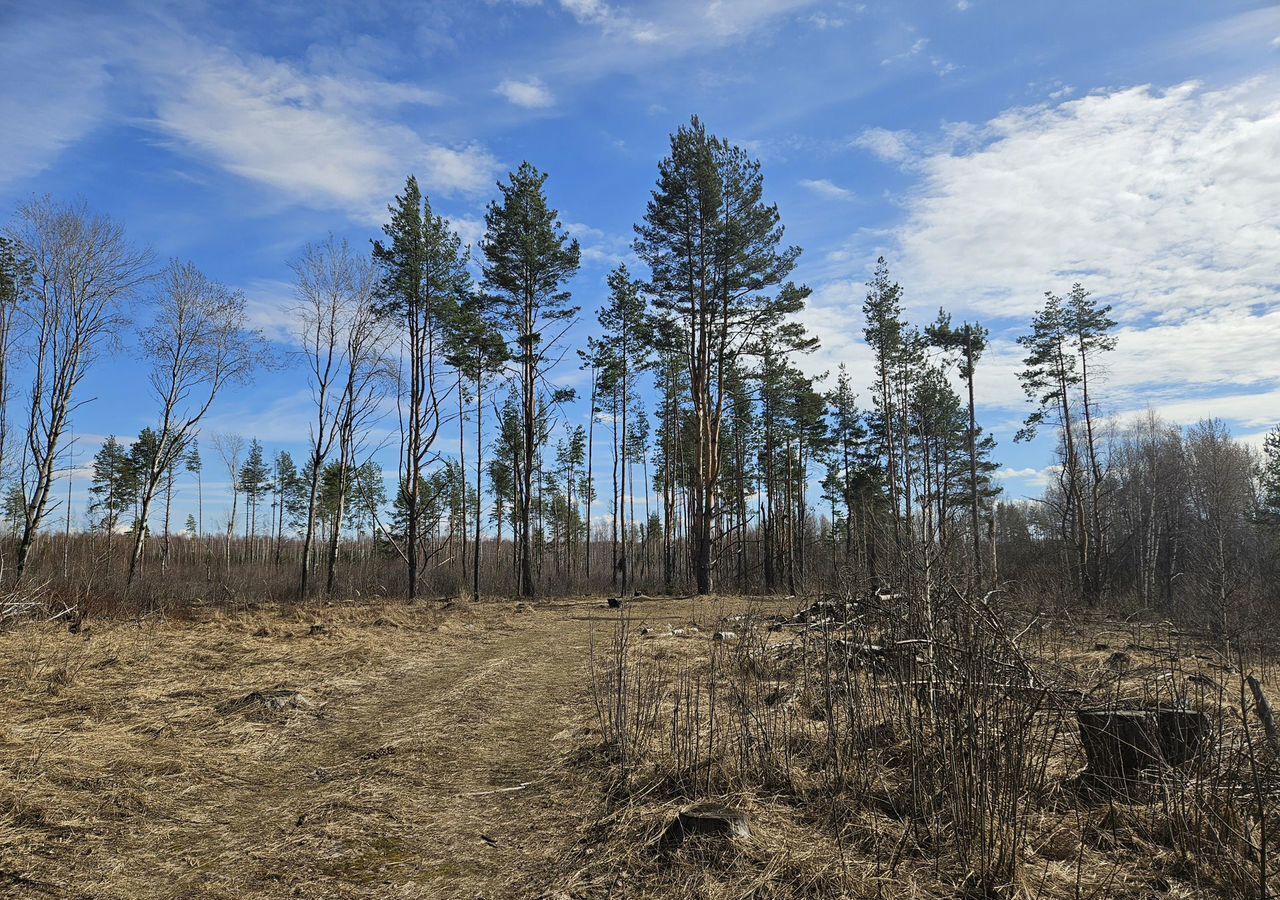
(709, 461)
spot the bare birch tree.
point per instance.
(197, 344)
(230, 447)
(344, 342)
(82, 270)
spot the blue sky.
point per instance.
(991, 150)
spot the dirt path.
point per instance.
(418, 758)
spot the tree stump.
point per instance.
(1120, 743)
(708, 819)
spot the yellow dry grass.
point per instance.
(415, 751)
(381, 764)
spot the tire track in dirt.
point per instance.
(463, 739)
(412, 764)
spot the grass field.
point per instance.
(455, 751)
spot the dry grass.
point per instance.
(139, 759)
(860, 784)
(420, 751)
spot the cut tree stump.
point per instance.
(708, 819)
(1120, 743)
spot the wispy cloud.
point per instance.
(314, 138)
(915, 48)
(824, 187)
(321, 140)
(886, 145)
(586, 10)
(530, 93)
(64, 82)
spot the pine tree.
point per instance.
(851, 476)
(255, 482)
(719, 277)
(285, 487)
(112, 486)
(424, 279)
(1090, 326)
(142, 458)
(479, 353)
(1269, 478)
(1049, 381)
(527, 259)
(624, 352)
(885, 333)
(195, 466)
(970, 340)
(14, 508)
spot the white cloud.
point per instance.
(637, 38)
(62, 93)
(530, 93)
(317, 139)
(585, 10)
(825, 188)
(823, 22)
(1027, 478)
(322, 140)
(737, 17)
(885, 145)
(271, 307)
(600, 247)
(915, 49)
(1161, 200)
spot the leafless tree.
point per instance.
(230, 447)
(197, 343)
(14, 278)
(344, 342)
(82, 270)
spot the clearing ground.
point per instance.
(334, 752)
